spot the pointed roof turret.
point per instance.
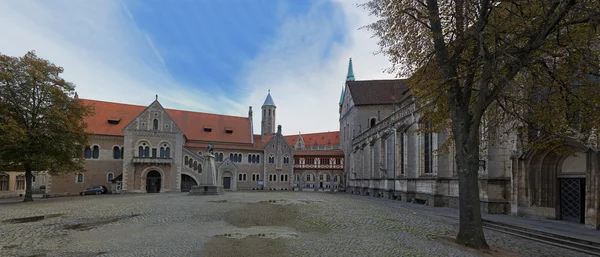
(350, 75)
(269, 100)
(342, 96)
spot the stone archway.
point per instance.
(187, 182)
(556, 184)
(153, 182)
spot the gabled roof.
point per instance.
(192, 123)
(321, 139)
(372, 92)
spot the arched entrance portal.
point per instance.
(187, 183)
(153, 182)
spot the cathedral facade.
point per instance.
(150, 149)
(385, 157)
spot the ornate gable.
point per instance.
(154, 119)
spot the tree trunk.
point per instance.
(28, 178)
(470, 232)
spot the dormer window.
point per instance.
(207, 129)
(114, 121)
(228, 130)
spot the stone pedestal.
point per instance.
(208, 180)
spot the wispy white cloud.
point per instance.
(305, 87)
(109, 58)
(102, 51)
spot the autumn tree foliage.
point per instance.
(41, 122)
(488, 64)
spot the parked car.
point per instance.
(94, 190)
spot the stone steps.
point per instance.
(572, 243)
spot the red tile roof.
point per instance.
(323, 138)
(319, 153)
(192, 123)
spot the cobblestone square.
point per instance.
(236, 224)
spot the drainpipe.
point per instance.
(394, 162)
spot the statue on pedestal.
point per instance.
(208, 180)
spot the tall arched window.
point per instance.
(185, 160)
(249, 158)
(95, 152)
(122, 152)
(199, 167)
(373, 122)
(258, 159)
(141, 151)
(162, 152)
(167, 152)
(116, 153)
(79, 178)
(155, 124)
(87, 153)
(147, 151)
(195, 165)
(109, 177)
(231, 156)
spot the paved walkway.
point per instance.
(275, 223)
(558, 227)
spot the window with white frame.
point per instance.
(284, 177)
(80, 178)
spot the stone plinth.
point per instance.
(208, 179)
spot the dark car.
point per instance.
(95, 190)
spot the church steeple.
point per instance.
(350, 75)
(267, 123)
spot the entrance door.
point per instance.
(226, 182)
(187, 183)
(153, 181)
(572, 199)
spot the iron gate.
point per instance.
(572, 199)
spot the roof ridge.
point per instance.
(167, 109)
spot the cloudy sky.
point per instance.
(217, 56)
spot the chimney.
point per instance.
(250, 112)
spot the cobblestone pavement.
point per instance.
(236, 224)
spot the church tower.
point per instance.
(349, 77)
(267, 126)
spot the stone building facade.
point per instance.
(385, 157)
(150, 149)
(318, 161)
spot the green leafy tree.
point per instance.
(477, 65)
(41, 122)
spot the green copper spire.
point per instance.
(342, 96)
(350, 76)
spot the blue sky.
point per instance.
(217, 56)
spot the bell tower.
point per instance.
(267, 125)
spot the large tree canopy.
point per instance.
(504, 64)
(41, 122)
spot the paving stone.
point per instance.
(181, 225)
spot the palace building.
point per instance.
(150, 149)
(385, 157)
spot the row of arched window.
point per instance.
(253, 158)
(235, 157)
(91, 153)
(163, 152)
(192, 164)
(273, 177)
